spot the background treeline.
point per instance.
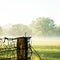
(40, 27)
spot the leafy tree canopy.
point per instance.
(42, 26)
(19, 30)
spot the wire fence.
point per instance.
(16, 49)
(8, 50)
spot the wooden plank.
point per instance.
(22, 48)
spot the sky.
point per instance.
(24, 11)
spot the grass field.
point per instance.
(47, 52)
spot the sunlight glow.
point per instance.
(24, 11)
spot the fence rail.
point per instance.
(14, 48)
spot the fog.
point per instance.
(54, 41)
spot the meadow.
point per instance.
(46, 52)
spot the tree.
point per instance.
(42, 26)
(19, 30)
(1, 31)
(57, 31)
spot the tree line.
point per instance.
(42, 26)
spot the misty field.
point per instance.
(47, 52)
(45, 48)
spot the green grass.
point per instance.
(45, 52)
(48, 52)
(7, 53)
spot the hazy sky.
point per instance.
(24, 11)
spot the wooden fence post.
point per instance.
(22, 48)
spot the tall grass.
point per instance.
(47, 52)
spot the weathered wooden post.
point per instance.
(22, 48)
